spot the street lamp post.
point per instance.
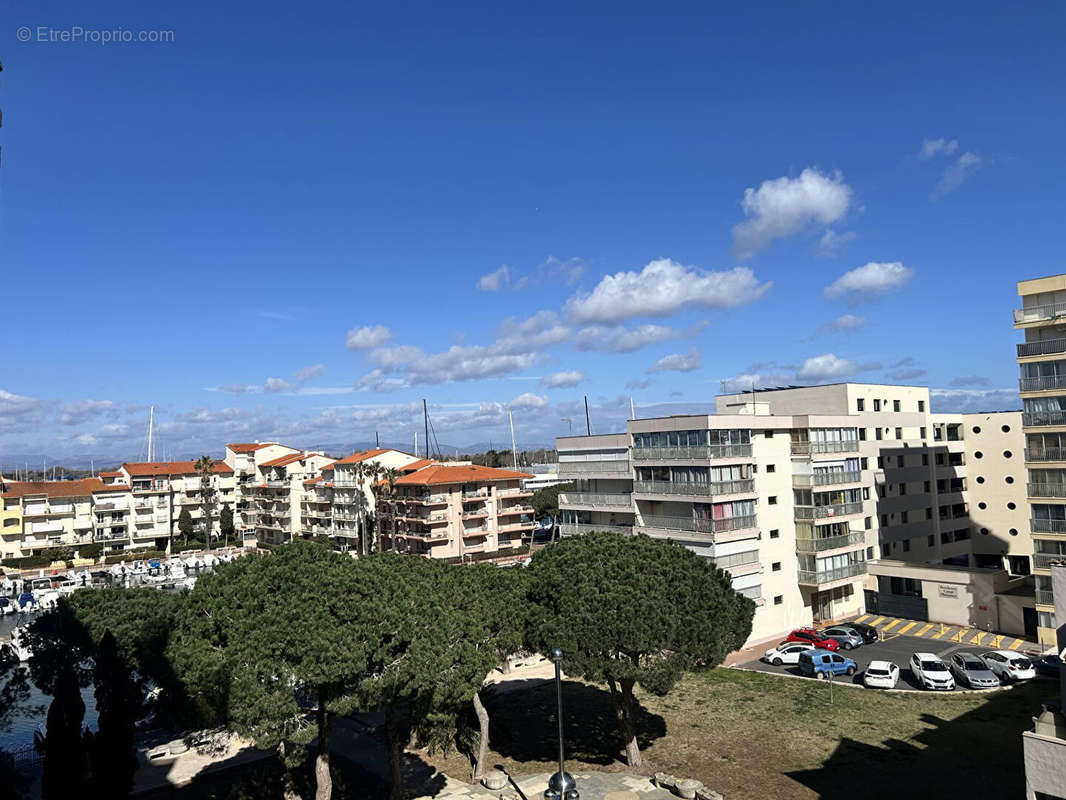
(561, 785)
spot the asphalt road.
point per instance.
(897, 649)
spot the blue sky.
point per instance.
(297, 221)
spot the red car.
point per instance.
(813, 637)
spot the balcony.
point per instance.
(824, 448)
(479, 514)
(1045, 454)
(1042, 384)
(828, 512)
(1045, 597)
(1046, 490)
(479, 494)
(693, 525)
(610, 500)
(703, 452)
(808, 578)
(276, 484)
(825, 479)
(819, 545)
(567, 468)
(516, 526)
(103, 535)
(1046, 560)
(746, 486)
(1034, 419)
(1046, 347)
(734, 560)
(1047, 525)
(515, 492)
(577, 528)
(427, 499)
(519, 509)
(1043, 313)
(482, 531)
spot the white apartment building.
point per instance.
(273, 500)
(795, 492)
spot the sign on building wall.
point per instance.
(947, 591)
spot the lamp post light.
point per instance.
(561, 785)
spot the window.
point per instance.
(978, 454)
(771, 468)
(899, 433)
(1005, 429)
(772, 500)
(921, 432)
(862, 434)
(869, 554)
(778, 599)
(860, 404)
(903, 516)
(962, 534)
(921, 406)
(877, 434)
(926, 485)
(864, 463)
(775, 567)
(906, 545)
(775, 533)
(895, 406)
(1011, 506)
(885, 551)
(868, 522)
(903, 488)
(932, 540)
(945, 537)
(769, 434)
(884, 520)
(1010, 479)
(899, 461)
(877, 405)
(1007, 454)
(929, 513)
(880, 462)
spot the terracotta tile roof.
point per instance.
(289, 459)
(414, 465)
(141, 469)
(113, 487)
(441, 474)
(80, 488)
(355, 458)
(313, 480)
(247, 447)
(115, 474)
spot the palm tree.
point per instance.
(374, 473)
(205, 468)
(360, 471)
(389, 476)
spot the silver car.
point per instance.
(971, 671)
(846, 637)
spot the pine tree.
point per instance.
(112, 757)
(225, 523)
(63, 744)
(185, 525)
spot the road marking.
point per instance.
(942, 632)
(877, 621)
(907, 627)
(891, 625)
(923, 631)
(977, 638)
(863, 618)
(1016, 645)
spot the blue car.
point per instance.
(821, 663)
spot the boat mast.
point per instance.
(514, 450)
(425, 417)
(151, 420)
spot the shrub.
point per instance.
(90, 550)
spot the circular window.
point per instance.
(1006, 429)
(978, 454)
(982, 506)
(1013, 531)
(976, 428)
(1011, 506)
(980, 479)
(1007, 453)
(984, 531)
(1009, 479)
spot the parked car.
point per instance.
(1049, 666)
(1009, 666)
(867, 632)
(846, 637)
(820, 663)
(881, 675)
(930, 672)
(972, 671)
(812, 636)
(786, 653)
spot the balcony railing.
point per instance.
(700, 452)
(576, 528)
(824, 448)
(691, 524)
(583, 467)
(702, 489)
(1045, 454)
(1042, 383)
(830, 542)
(1045, 560)
(809, 578)
(514, 492)
(737, 559)
(1045, 597)
(1038, 418)
(1046, 347)
(615, 500)
(1046, 490)
(826, 479)
(825, 512)
(1047, 525)
(1040, 313)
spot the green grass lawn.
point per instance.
(752, 735)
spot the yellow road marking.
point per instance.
(863, 618)
(907, 627)
(1016, 645)
(942, 632)
(923, 631)
(977, 638)
(891, 625)
(877, 621)
(997, 641)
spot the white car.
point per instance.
(881, 675)
(1009, 666)
(786, 653)
(931, 672)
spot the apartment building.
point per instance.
(796, 491)
(1042, 385)
(456, 511)
(273, 501)
(245, 458)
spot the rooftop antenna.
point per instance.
(588, 425)
(514, 450)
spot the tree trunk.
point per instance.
(483, 744)
(392, 728)
(288, 787)
(323, 779)
(625, 712)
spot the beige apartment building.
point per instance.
(273, 502)
(457, 511)
(795, 492)
(245, 458)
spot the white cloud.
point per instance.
(274, 385)
(974, 400)
(934, 147)
(906, 374)
(870, 280)
(81, 411)
(638, 383)
(237, 388)
(965, 166)
(496, 280)
(367, 337)
(785, 206)
(679, 362)
(619, 339)
(847, 322)
(661, 289)
(307, 373)
(377, 381)
(539, 330)
(970, 380)
(832, 243)
(825, 366)
(529, 400)
(563, 380)
(398, 355)
(15, 406)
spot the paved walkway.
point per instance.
(591, 785)
(935, 631)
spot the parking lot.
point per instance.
(897, 649)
